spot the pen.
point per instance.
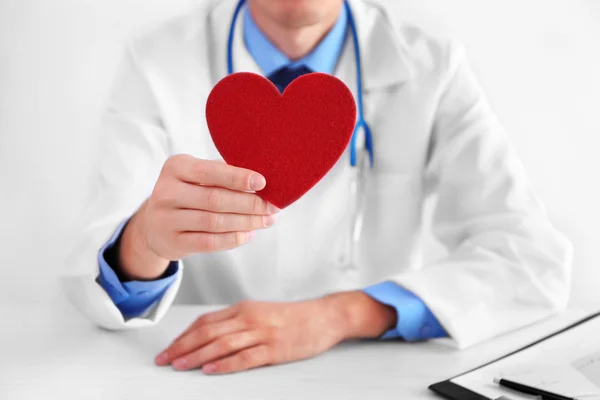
(530, 390)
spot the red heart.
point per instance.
(293, 139)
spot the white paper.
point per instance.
(567, 364)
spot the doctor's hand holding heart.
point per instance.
(197, 206)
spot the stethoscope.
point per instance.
(360, 157)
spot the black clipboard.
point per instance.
(452, 391)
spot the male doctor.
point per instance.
(163, 201)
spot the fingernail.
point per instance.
(272, 209)
(269, 220)
(180, 364)
(251, 235)
(209, 368)
(162, 358)
(257, 182)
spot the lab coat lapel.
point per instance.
(219, 23)
(385, 59)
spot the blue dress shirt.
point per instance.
(415, 320)
(132, 298)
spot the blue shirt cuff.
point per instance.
(415, 320)
(132, 298)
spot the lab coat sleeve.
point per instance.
(507, 266)
(131, 150)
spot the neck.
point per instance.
(293, 40)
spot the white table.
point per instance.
(52, 352)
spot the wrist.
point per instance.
(137, 260)
(358, 315)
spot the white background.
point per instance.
(538, 59)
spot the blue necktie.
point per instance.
(284, 76)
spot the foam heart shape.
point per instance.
(293, 139)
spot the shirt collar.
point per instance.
(269, 58)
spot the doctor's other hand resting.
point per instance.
(252, 334)
(197, 206)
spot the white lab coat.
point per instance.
(434, 135)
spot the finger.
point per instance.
(200, 337)
(219, 200)
(221, 347)
(211, 318)
(248, 358)
(206, 242)
(216, 173)
(206, 221)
